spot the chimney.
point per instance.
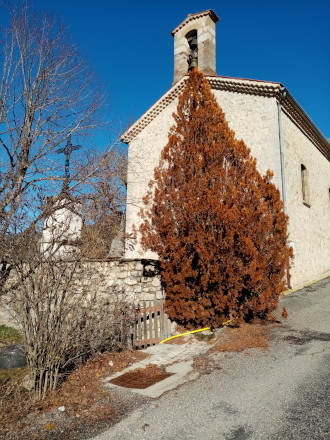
(200, 28)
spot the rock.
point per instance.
(160, 294)
(27, 383)
(12, 356)
(61, 408)
(131, 282)
(137, 289)
(156, 282)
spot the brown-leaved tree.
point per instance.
(216, 223)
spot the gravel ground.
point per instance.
(280, 394)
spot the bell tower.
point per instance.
(194, 44)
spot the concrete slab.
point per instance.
(174, 358)
(182, 372)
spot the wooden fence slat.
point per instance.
(162, 323)
(156, 321)
(167, 325)
(140, 327)
(150, 322)
(135, 329)
(145, 345)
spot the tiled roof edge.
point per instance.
(300, 117)
(191, 17)
(237, 85)
(216, 82)
(153, 111)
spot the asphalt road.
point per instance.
(280, 394)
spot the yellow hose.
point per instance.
(193, 331)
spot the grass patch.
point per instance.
(12, 375)
(9, 334)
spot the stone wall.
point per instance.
(135, 280)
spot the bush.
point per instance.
(63, 323)
(217, 225)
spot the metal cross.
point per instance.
(67, 150)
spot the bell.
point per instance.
(192, 43)
(193, 63)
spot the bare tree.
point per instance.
(63, 319)
(103, 199)
(47, 93)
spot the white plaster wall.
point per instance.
(143, 156)
(253, 118)
(62, 224)
(309, 227)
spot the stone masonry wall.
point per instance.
(135, 280)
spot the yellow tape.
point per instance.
(193, 331)
(227, 322)
(286, 292)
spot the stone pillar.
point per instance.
(204, 23)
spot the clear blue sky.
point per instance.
(130, 47)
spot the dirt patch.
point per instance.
(304, 337)
(294, 340)
(234, 339)
(181, 340)
(141, 378)
(245, 337)
(206, 364)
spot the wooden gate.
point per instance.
(151, 324)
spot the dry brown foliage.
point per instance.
(102, 200)
(81, 394)
(83, 388)
(243, 338)
(216, 223)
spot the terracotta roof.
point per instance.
(191, 17)
(237, 85)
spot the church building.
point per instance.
(272, 124)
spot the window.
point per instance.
(305, 186)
